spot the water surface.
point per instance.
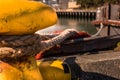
(76, 23)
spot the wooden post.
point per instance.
(109, 17)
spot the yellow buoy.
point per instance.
(24, 68)
(9, 72)
(117, 48)
(19, 17)
(54, 70)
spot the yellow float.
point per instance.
(20, 17)
(20, 69)
(54, 70)
(9, 72)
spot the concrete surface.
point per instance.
(101, 66)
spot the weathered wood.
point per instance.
(84, 45)
(107, 22)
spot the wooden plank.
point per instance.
(107, 22)
(84, 45)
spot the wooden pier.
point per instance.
(77, 13)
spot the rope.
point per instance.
(58, 39)
(98, 32)
(17, 46)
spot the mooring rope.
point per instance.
(99, 31)
(16, 46)
(58, 39)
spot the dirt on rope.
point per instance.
(17, 46)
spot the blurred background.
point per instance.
(73, 19)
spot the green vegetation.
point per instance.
(95, 3)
